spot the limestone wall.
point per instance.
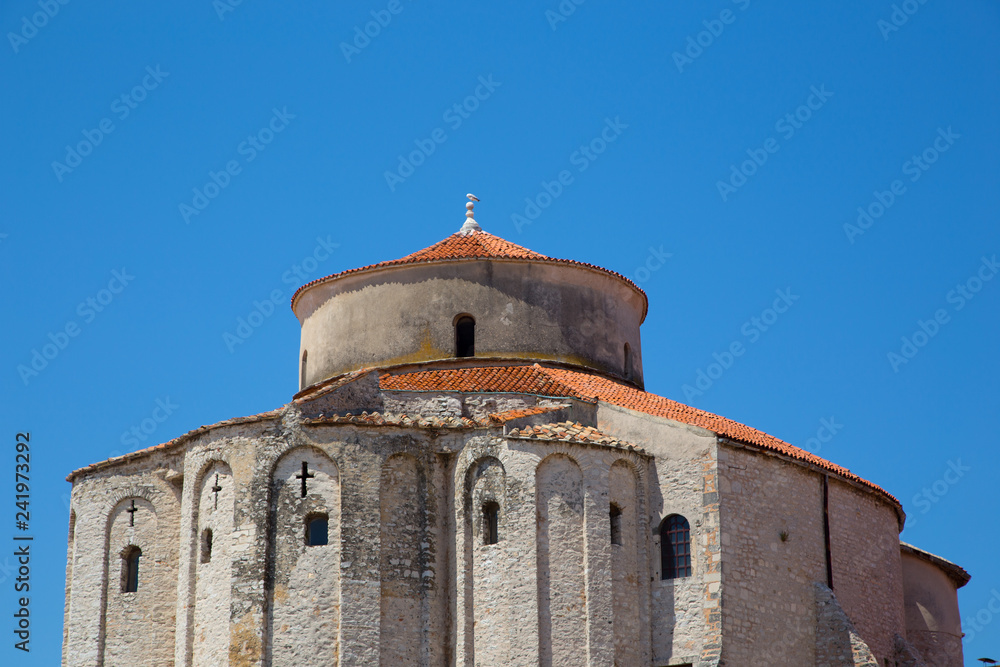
(213, 564)
(684, 623)
(407, 576)
(553, 589)
(304, 589)
(523, 310)
(766, 577)
(933, 624)
(774, 552)
(867, 568)
(105, 623)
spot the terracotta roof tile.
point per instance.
(565, 383)
(571, 432)
(469, 245)
(491, 379)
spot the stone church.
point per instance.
(471, 474)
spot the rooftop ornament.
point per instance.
(470, 224)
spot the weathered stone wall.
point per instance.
(406, 577)
(213, 568)
(767, 577)
(105, 624)
(838, 643)
(478, 406)
(562, 591)
(403, 562)
(867, 568)
(933, 623)
(523, 310)
(685, 624)
(628, 579)
(305, 580)
(774, 551)
(70, 559)
(489, 612)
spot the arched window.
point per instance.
(616, 524)
(317, 530)
(206, 545)
(302, 378)
(627, 369)
(491, 523)
(465, 336)
(675, 547)
(130, 569)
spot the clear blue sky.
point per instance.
(337, 118)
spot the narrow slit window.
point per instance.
(675, 547)
(317, 530)
(130, 569)
(616, 524)
(206, 545)
(491, 523)
(465, 337)
(627, 368)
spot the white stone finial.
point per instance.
(470, 224)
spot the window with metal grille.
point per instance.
(675, 547)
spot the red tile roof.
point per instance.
(565, 383)
(469, 245)
(570, 432)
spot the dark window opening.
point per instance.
(130, 569)
(317, 531)
(675, 547)
(302, 379)
(616, 524)
(465, 337)
(491, 523)
(206, 545)
(627, 369)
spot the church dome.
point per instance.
(471, 294)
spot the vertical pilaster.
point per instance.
(597, 566)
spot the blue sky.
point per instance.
(209, 153)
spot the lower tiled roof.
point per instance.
(571, 432)
(566, 383)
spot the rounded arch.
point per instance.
(207, 464)
(549, 458)
(485, 499)
(303, 486)
(297, 450)
(481, 467)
